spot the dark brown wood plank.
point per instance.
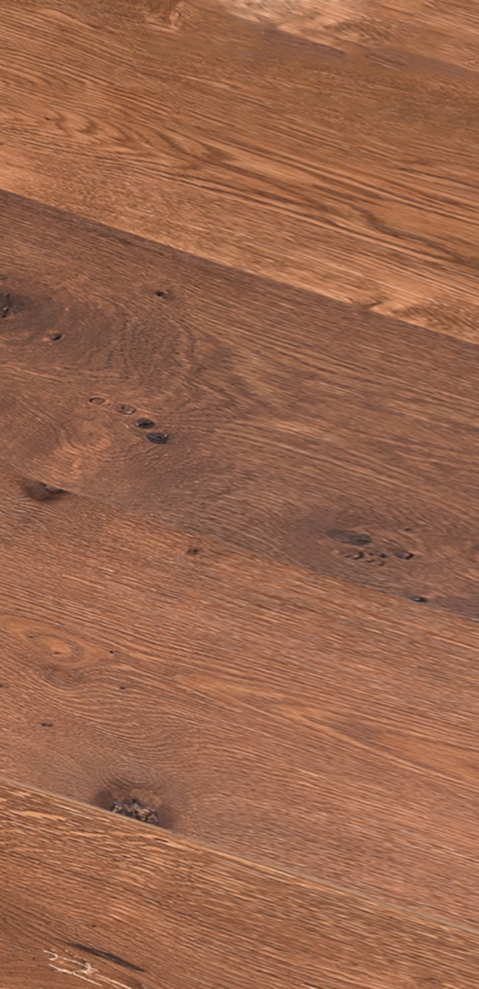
(266, 711)
(297, 427)
(127, 906)
(350, 173)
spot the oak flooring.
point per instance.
(351, 173)
(239, 551)
(287, 718)
(168, 913)
(287, 424)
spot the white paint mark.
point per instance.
(81, 970)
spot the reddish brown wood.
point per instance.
(232, 690)
(388, 28)
(345, 170)
(145, 910)
(287, 424)
(285, 717)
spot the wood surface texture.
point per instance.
(288, 718)
(295, 426)
(349, 172)
(437, 30)
(167, 913)
(239, 517)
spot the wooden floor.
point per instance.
(239, 494)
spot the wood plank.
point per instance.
(127, 906)
(351, 174)
(297, 427)
(434, 30)
(262, 710)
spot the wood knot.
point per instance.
(5, 304)
(131, 807)
(158, 437)
(40, 491)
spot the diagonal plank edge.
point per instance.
(131, 907)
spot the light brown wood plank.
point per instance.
(287, 718)
(437, 30)
(297, 427)
(115, 903)
(348, 173)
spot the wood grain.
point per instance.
(433, 30)
(349, 173)
(124, 905)
(287, 718)
(295, 427)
